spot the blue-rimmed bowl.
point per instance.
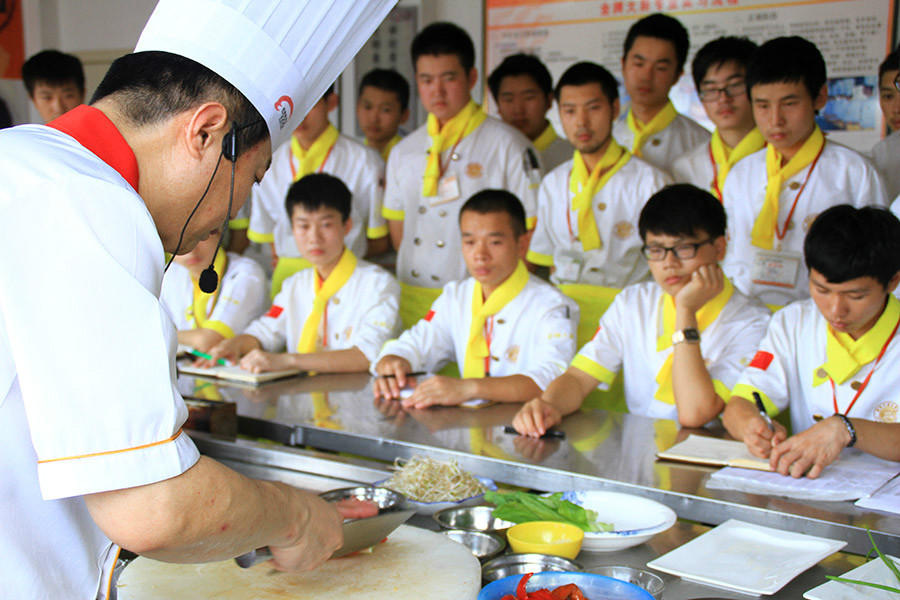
(635, 519)
(593, 586)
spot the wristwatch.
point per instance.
(689, 335)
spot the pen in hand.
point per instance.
(220, 361)
(762, 411)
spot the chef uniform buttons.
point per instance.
(439, 243)
(422, 210)
(417, 241)
(442, 213)
(414, 273)
(435, 278)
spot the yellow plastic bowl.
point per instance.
(546, 537)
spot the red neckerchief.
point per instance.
(93, 130)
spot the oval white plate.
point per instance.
(636, 519)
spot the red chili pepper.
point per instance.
(542, 594)
(520, 589)
(508, 597)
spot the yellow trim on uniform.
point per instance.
(108, 452)
(644, 131)
(597, 371)
(742, 390)
(324, 290)
(530, 222)
(392, 215)
(547, 137)
(374, 233)
(260, 238)
(585, 184)
(239, 224)
(544, 260)
(444, 138)
(722, 390)
(220, 328)
(286, 266)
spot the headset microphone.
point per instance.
(209, 279)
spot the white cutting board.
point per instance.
(413, 564)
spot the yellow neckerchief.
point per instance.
(386, 151)
(477, 348)
(200, 308)
(547, 137)
(707, 314)
(643, 131)
(846, 356)
(764, 227)
(585, 185)
(324, 291)
(726, 157)
(444, 138)
(312, 160)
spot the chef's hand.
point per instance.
(760, 439)
(535, 418)
(811, 450)
(706, 283)
(260, 361)
(393, 370)
(440, 389)
(231, 349)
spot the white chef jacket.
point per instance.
(364, 313)
(617, 207)
(359, 167)
(886, 156)
(241, 297)
(495, 155)
(558, 152)
(533, 335)
(627, 335)
(661, 150)
(790, 353)
(695, 167)
(77, 309)
(841, 176)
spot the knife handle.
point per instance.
(245, 561)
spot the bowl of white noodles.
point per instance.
(432, 485)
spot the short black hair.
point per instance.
(152, 86)
(387, 80)
(444, 38)
(584, 73)
(787, 60)
(662, 27)
(317, 191)
(53, 68)
(891, 62)
(494, 201)
(682, 209)
(521, 64)
(721, 51)
(845, 243)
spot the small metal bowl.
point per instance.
(383, 497)
(482, 544)
(471, 518)
(651, 582)
(519, 564)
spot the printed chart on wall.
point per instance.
(853, 35)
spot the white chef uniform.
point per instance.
(627, 339)
(552, 148)
(85, 308)
(662, 149)
(695, 167)
(362, 171)
(363, 313)
(532, 335)
(616, 206)
(886, 156)
(241, 297)
(67, 316)
(494, 155)
(841, 176)
(786, 369)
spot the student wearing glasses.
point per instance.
(681, 340)
(719, 70)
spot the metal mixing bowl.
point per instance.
(471, 518)
(519, 564)
(383, 497)
(482, 544)
(644, 579)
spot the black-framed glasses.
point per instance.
(731, 90)
(897, 81)
(681, 251)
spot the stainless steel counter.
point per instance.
(602, 450)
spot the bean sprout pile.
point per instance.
(426, 480)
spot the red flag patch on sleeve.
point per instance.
(596, 332)
(761, 360)
(430, 315)
(275, 311)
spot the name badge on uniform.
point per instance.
(567, 267)
(776, 268)
(448, 189)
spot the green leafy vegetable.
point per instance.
(887, 561)
(521, 507)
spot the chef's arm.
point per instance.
(211, 513)
(201, 339)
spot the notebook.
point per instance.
(237, 374)
(715, 452)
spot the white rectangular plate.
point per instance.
(874, 571)
(746, 558)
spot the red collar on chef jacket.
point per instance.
(93, 130)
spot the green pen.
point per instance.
(220, 361)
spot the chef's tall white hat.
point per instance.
(281, 54)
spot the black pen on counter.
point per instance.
(762, 411)
(413, 374)
(555, 434)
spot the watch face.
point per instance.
(691, 335)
